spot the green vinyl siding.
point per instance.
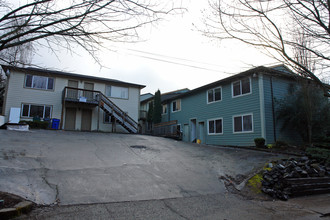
(280, 87)
(195, 107)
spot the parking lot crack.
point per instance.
(174, 211)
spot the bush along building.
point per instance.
(234, 110)
(77, 102)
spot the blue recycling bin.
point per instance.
(55, 123)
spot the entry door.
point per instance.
(86, 120)
(70, 119)
(201, 132)
(185, 132)
(72, 93)
(88, 94)
(193, 130)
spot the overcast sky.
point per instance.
(173, 56)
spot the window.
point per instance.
(243, 123)
(41, 111)
(214, 95)
(241, 87)
(107, 118)
(116, 92)
(215, 126)
(39, 82)
(176, 105)
(164, 111)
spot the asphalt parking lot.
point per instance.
(60, 167)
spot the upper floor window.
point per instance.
(243, 123)
(39, 82)
(116, 92)
(176, 105)
(214, 95)
(164, 109)
(215, 126)
(241, 87)
(40, 111)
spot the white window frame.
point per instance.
(208, 126)
(108, 92)
(240, 81)
(164, 107)
(213, 91)
(29, 112)
(176, 105)
(242, 115)
(33, 79)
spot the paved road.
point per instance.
(60, 167)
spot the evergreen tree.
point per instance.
(157, 114)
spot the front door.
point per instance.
(185, 132)
(86, 120)
(193, 130)
(201, 132)
(72, 93)
(70, 119)
(88, 94)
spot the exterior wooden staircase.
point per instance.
(97, 98)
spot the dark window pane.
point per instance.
(28, 81)
(247, 123)
(25, 111)
(238, 124)
(210, 96)
(50, 83)
(217, 94)
(174, 107)
(211, 127)
(245, 86)
(36, 111)
(218, 126)
(47, 111)
(237, 88)
(107, 118)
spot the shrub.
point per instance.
(260, 142)
(281, 144)
(320, 154)
(37, 124)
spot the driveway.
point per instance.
(62, 167)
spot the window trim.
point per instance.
(164, 113)
(240, 80)
(172, 106)
(107, 85)
(44, 105)
(243, 132)
(208, 126)
(33, 75)
(207, 95)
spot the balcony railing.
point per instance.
(71, 94)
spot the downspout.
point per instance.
(273, 108)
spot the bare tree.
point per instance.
(62, 23)
(272, 26)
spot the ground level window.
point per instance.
(215, 126)
(243, 123)
(107, 118)
(41, 111)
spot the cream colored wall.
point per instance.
(17, 95)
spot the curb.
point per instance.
(19, 209)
